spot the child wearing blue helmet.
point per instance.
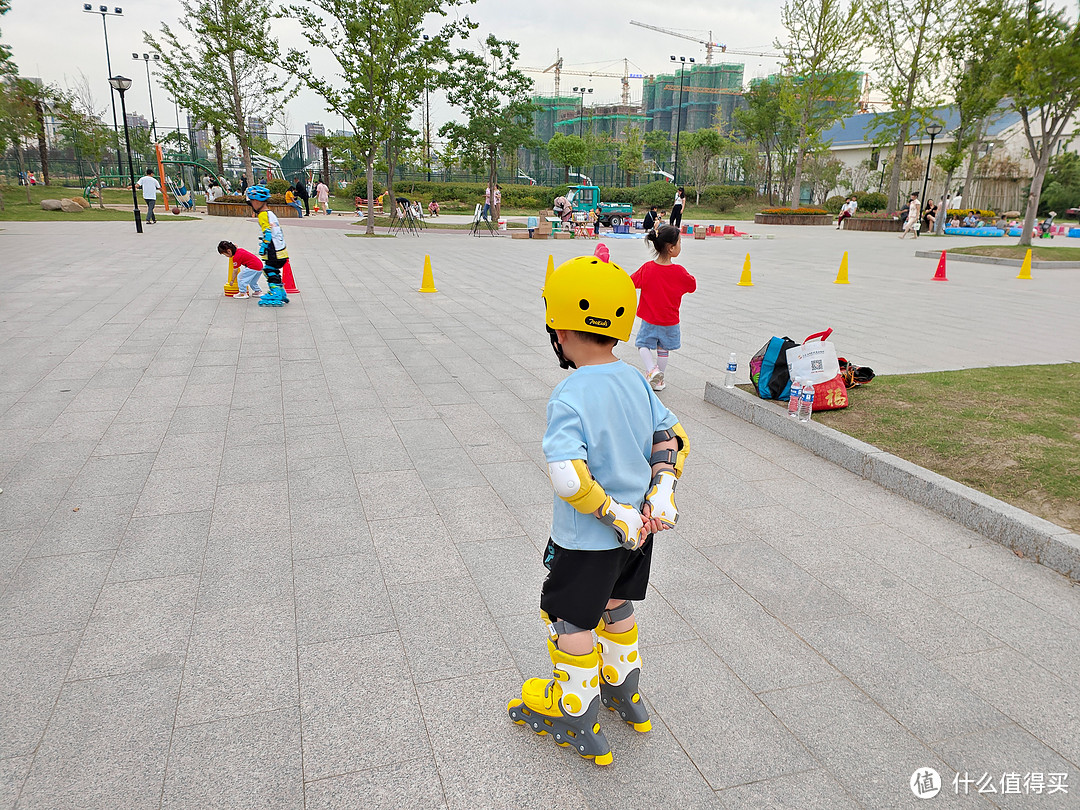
(272, 248)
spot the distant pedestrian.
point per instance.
(650, 219)
(677, 207)
(300, 189)
(663, 284)
(912, 223)
(150, 187)
(322, 194)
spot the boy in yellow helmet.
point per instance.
(614, 453)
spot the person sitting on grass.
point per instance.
(433, 208)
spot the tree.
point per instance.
(81, 128)
(701, 149)
(768, 123)
(907, 37)
(18, 120)
(494, 97)
(7, 66)
(824, 41)
(658, 144)
(1062, 186)
(970, 59)
(567, 151)
(1039, 72)
(224, 75)
(823, 171)
(380, 61)
(631, 154)
(857, 177)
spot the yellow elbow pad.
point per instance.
(676, 458)
(684, 448)
(574, 484)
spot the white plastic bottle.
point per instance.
(729, 375)
(806, 401)
(793, 400)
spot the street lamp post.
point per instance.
(427, 120)
(104, 12)
(121, 84)
(581, 91)
(933, 130)
(678, 121)
(150, 88)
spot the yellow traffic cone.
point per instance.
(841, 277)
(1025, 268)
(427, 284)
(744, 279)
(550, 270)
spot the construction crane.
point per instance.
(557, 67)
(709, 44)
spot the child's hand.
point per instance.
(651, 525)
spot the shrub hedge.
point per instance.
(659, 193)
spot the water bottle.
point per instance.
(806, 401)
(793, 400)
(729, 375)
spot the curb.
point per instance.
(964, 257)
(1040, 540)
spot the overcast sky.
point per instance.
(54, 39)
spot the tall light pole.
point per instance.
(933, 130)
(427, 118)
(682, 60)
(104, 12)
(121, 84)
(581, 91)
(150, 88)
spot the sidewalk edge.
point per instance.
(1038, 539)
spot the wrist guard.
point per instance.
(661, 498)
(625, 521)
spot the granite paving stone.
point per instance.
(305, 567)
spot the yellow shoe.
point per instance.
(567, 705)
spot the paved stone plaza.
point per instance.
(290, 558)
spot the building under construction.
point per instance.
(710, 95)
(603, 119)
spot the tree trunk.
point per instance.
(968, 192)
(370, 171)
(241, 126)
(22, 168)
(1034, 193)
(800, 156)
(894, 173)
(217, 150)
(326, 166)
(2, 208)
(768, 176)
(43, 147)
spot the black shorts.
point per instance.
(272, 260)
(580, 583)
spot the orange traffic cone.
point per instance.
(427, 283)
(287, 279)
(940, 274)
(744, 279)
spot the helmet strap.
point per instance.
(564, 361)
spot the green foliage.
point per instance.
(567, 151)
(658, 144)
(7, 67)
(1062, 189)
(220, 69)
(871, 201)
(277, 185)
(1039, 72)
(835, 203)
(359, 189)
(493, 95)
(631, 153)
(767, 122)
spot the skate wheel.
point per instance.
(642, 727)
(603, 759)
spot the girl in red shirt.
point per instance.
(662, 285)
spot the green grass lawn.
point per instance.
(1011, 432)
(17, 209)
(1039, 252)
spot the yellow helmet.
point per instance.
(587, 294)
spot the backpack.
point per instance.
(769, 369)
